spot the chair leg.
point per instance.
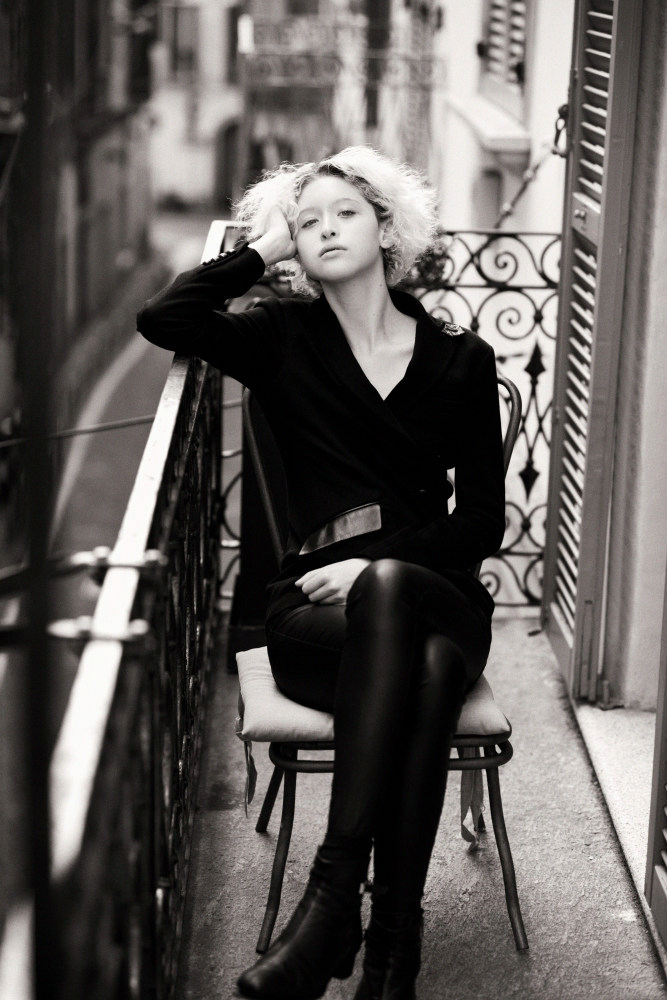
(269, 800)
(279, 862)
(506, 862)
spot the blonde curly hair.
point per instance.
(397, 192)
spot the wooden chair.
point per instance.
(266, 715)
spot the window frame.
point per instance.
(507, 94)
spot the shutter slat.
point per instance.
(584, 370)
(598, 54)
(565, 595)
(593, 150)
(584, 352)
(585, 314)
(578, 437)
(580, 386)
(579, 403)
(575, 514)
(569, 563)
(584, 332)
(602, 20)
(598, 38)
(595, 131)
(573, 532)
(578, 421)
(577, 477)
(584, 275)
(595, 92)
(566, 590)
(576, 457)
(596, 168)
(589, 161)
(601, 77)
(505, 40)
(592, 188)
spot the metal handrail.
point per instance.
(124, 770)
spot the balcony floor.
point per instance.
(587, 933)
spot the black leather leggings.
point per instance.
(393, 665)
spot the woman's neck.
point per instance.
(364, 309)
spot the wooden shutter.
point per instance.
(656, 868)
(602, 98)
(505, 39)
(503, 52)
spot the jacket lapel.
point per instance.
(433, 353)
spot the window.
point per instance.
(503, 53)
(180, 29)
(296, 8)
(232, 36)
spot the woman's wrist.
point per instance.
(269, 249)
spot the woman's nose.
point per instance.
(328, 228)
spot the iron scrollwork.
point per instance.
(122, 892)
(504, 287)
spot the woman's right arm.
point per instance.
(184, 317)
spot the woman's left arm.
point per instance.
(475, 528)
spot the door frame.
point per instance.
(580, 655)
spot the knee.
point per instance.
(382, 580)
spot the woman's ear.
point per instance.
(386, 239)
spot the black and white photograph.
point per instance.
(333, 500)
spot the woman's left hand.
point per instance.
(331, 584)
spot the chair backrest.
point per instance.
(268, 468)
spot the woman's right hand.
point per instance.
(276, 242)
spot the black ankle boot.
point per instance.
(392, 957)
(320, 941)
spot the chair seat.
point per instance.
(268, 716)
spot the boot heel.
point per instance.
(345, 965)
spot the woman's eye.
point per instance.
(307, 223)
(347, 211)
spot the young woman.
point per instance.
(375, 614)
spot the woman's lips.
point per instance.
(330, 250)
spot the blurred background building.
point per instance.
(541, 123)
(98, 80)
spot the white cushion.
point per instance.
(268, 716)
(480, 715)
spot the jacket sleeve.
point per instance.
(184, 317)
(474, 530)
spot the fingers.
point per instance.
(319, 588)
(324, 595)
(311, 581)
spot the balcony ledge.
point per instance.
(496, 131)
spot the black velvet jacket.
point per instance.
(342, 445)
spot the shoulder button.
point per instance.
(215, 260)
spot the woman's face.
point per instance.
(338, 235)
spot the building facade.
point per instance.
(506, 68)
(606, 548)
(196, 106)
(98, 79)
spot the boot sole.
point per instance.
(343, 970)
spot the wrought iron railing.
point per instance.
(125, 767)
(503, 286)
